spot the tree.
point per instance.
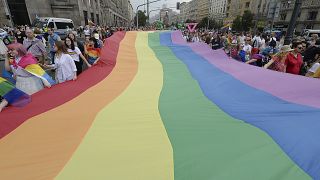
(204, 23)
(237, 24)
(247, 20)
(190, 21)
(142, 18)
(218, 25)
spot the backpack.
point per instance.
(273, 43)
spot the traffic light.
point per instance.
(178, 5)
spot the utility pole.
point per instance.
(143, 5)
(148, 13)
(292, 24)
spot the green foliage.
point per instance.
(142, 19)
(190, 21)
(247, 20)
(237, 24)
(243, 23)
(212, 23)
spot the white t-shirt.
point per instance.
(242, 39)
(247, 48)
(263, 44)
(256, 41)
(87, 32)
(314, 68)
(75, 53)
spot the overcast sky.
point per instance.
(170, 3)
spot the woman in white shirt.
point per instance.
(65, 67)
(76, 54)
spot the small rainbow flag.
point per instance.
(37, 71)
(159, 108)
(13, 95)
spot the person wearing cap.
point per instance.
(99, 41)
(294, 59)
(277, 63)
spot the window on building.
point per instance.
(98, 19)
(227, 14)
(283, 17)
(92, 17)
(247, 4)
(309, 26)
(85, 15)
(312, 15)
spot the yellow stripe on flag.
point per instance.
(35, 69)
(128, 139)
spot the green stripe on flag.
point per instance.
(208, 143)
(5, 87)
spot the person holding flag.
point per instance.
(30, 77)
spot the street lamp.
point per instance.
(143, 5)
(292, 23)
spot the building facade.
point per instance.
(203, 9)
(260, 8)
(117, 12)
(104, 12)
(308, 18)
(232, 11)
(193, 11)
(184, 8)
(218, 9)
(4, 14)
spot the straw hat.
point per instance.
(286, 48)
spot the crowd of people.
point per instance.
(301, 57)
(33, 60)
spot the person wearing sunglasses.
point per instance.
(294, 61)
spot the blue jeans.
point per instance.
(52, 54)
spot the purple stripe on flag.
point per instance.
(303, 90)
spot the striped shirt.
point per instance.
(37, 49)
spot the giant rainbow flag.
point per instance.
(161, 109)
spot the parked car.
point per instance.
(61, 25)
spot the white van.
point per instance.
(61, 25)
(308, 33)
